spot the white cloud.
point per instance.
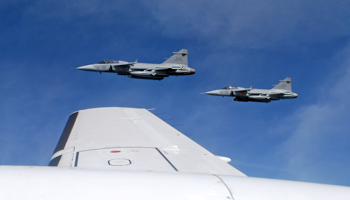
(252, 24)
(222, 23)
(113, 12)
(65, 10)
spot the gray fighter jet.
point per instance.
(281, 91)
(176, 65)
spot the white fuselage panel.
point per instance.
(32, 183)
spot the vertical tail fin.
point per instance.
(285, 84)
(179, 57)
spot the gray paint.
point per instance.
(176, 65)
(283, 90)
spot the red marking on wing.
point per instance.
(115, 151)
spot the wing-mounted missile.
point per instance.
(260, 98)
(148, 74)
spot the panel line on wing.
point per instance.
(99, 158)
(228, 188)
(166, 159)
(76, 159)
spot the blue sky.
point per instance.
(240, 43)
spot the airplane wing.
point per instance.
(123, 64)
(132, 139)
(242, 90)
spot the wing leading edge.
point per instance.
(132, 139)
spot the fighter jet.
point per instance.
(176, 65)
(281, 91)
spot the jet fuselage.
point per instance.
(141, 70)
(258, 95)
(281, 91)
(34, 182)
(176, 65)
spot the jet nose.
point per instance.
(192, 71)
(214, 92)
(295, 95)
(86, 68)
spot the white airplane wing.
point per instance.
(132, 139)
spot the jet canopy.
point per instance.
(108, 61)
(229, 87)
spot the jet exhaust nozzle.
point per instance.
(192, 71)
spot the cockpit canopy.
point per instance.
(229, 87)
(108, 61)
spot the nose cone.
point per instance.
(192, 71)
(86, 68)
(295, 95)
(214, 92)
